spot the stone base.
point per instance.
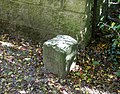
(59, 53)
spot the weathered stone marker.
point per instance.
(59, 53)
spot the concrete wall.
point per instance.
(49, 17)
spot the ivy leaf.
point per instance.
(89, 79)
(77, 73)
(10, 73)
(102, 26)
(96, 63)
(116, 27)
(113, 24)
(118, 73)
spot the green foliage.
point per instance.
(110, 30)
(100, 61)
(116, 42)
(118, 73)
(96, 63)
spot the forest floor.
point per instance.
(22, 70)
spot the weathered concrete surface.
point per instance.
(51, 17)
(59, 53)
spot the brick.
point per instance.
(75, 5)
(28, 1)
(59, 53)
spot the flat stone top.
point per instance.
(61, 42)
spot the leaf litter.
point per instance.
(22, 70)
